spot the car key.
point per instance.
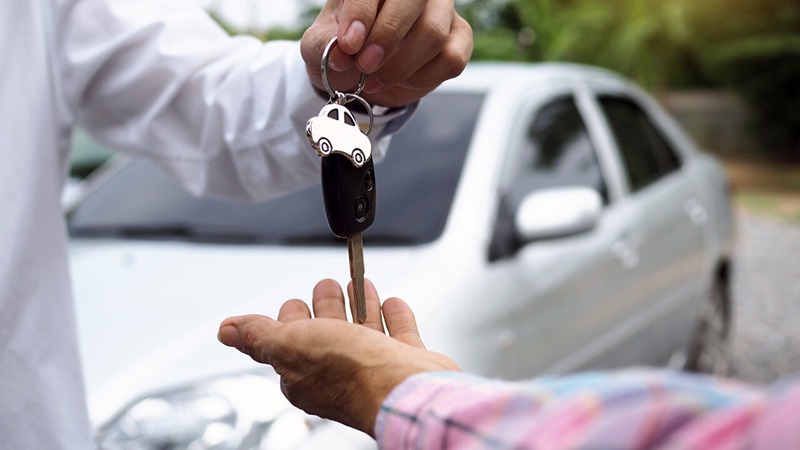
(349, 196)
(348, 175)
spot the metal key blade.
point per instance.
(355, 251)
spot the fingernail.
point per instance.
(333, 65)
(229, 335)
(371, 58)
(355, 35)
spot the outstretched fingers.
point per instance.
(374, 318)
(401, 323)
(327, 300)
(293, 310)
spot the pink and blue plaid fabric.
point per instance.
(632, 409)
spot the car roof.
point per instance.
(487, 75)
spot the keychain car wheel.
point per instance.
(325, 146)
(358, 157)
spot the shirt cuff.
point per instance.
(398, 420)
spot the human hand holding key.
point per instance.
(407, 47)
(348, 175)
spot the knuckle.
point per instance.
(362, 9)
(459, 53)
(437, 36)
(391, 31)
(437, 31)
(452, 62)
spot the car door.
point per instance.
(665, 243)
(570, 303)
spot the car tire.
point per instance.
(325, 146)
(709, 351)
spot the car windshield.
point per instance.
(416, 183)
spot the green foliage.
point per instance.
(756, 51)
(751, 46)
(277, 34)
(498, 44)
(228, 27)
(642, 39)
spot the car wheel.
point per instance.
(358, 157)
(709, 351)
(325, 146)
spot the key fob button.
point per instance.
(369, 181)
(361, 208)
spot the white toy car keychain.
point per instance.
(335, 129)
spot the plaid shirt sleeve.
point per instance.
(632, 409)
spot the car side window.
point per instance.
(334, 114)
(646, 154)
(348, 119)
(558, 150)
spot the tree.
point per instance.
(751, 46)
(756, 51)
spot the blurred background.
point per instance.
(728, 70)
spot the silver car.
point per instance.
(539, 219)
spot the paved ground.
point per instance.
(766, 296)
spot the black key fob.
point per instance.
(349, 194)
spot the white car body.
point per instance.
(623, 289)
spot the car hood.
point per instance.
(148, 312)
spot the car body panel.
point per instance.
(154, 333)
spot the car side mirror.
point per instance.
(557, 212)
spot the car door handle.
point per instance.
(626, 250)
(695, 210)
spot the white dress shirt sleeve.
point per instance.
(226, 115)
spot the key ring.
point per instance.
(350, 97)
(340, 97)
(326, 55)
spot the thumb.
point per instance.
(355, 21)
(250, 334)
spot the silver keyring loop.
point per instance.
(351, 97)
(326, 55)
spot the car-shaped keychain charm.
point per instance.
(335, 129)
